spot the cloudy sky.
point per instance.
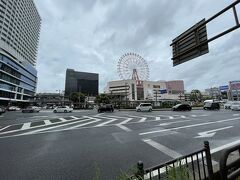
(91, 36)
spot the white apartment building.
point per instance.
(150, 90)
(19, 36)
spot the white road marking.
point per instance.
(62, 125)
(117, 117)
(184, 127)
(158, 118)
(107, 122)
(4, 128)
(171, 153)
(143, 119)
(194, 115)
(123, 127)
(235, 114)
(166, 124)
(47, 122)
(26, 126)
(183, 116)
(84, 124)
(37, 116)
(217, 149)
(211, 133)
(170, 117)
(126, 121)
(74, 117)
(203, 115)
(62, 119)
(33, 127)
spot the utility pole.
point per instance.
(126, 93)
(156, 97)
(59, 91)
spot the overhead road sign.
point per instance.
(194, 42)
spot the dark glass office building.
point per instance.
(84, 82)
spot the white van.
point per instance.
(144, 107)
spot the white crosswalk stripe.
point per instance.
(62, 119)
(57, 126)
(95, 120)
(106, 122)
(26, 126)
(158, 118)
(47, 122)
(126, 121)
(142, 119)
(4, 128)
(73, 117)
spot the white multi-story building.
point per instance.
(19, 36)
(150, 90)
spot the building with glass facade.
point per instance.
(84, 82)
(19, 36)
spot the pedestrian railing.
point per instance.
(230, 170)
(196, 166)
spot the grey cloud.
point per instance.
(92, 35)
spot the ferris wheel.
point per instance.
(133, 66)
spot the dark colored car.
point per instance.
(182, 107)
(106, 107)
(31, 109)
(211, 106)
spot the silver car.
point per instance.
(235, 106)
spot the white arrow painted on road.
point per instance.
(210, 133)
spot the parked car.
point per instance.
(235, 106)
(228, 105)
(182, 107)
(105, 107)
(13, 108)
(64, 109)
(31, 109)
(144, 107)
(211, 106)
(2, 110)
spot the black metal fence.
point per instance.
(196, 166)
(230, 170)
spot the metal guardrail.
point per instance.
(230, 171)
(196, 166)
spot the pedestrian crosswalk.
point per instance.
(91, 121)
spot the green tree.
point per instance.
(196, 96)
(77, 97)
(102, 98)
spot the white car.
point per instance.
(144, 107)
(235, 106)
(228, 105)
(62, 109)
(13, 108)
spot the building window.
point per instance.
(6, 94)
(18, 96)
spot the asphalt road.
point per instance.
(78, 145)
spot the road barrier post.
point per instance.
(140, 171)
(209, 160)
